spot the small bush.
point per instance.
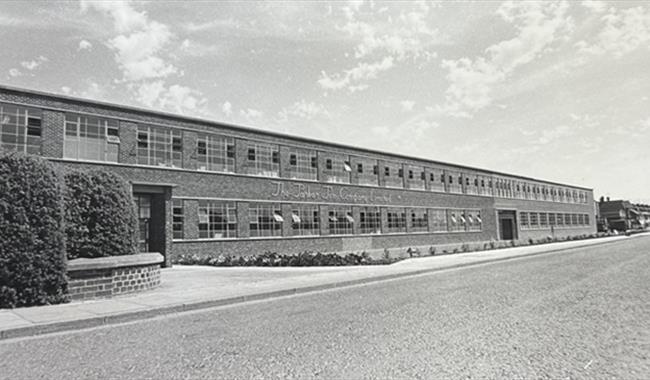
(100, 215)
(32, 245)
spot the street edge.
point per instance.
(21, 332)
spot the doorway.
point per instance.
(143, 203)
(507, 225)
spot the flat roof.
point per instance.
(251, 129)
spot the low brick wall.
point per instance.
(109, 276)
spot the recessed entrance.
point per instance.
(143, 203)
(507, 225)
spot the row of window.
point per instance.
(538, 220)
(98, 139)
(220, 220)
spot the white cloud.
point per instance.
(351, 77)
(407, 105)
(175, 98)
(14, 72)
(251, 115)
(304, 110)
(538, 26)
(66, 90)
(85, 45)
(140, 42)
(226, 108)
(624, 31)
(34, 63)
(594, 5)
(383, 39)
(550, 135)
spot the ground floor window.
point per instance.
(438, 220)
(474, 221)
(217, 219)
(340, 220)
(265, 219)
(370, 220)
(396, 220)
(419, 220)
(177, 218)
(305, 220)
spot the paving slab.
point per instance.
(195, 287)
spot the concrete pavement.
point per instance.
(186, 288)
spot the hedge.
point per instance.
(100, 215)
(32, 245)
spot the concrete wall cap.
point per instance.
(115, 261)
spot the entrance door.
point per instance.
(507, 225)
(143, 202)
(506, 229)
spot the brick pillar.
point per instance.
(354, 175)
(241, 156)
(323, 212)
(189, 150)
(285, 164)
(409, 221)
(191, 219)
(427, 178)
(381, 172)
(446, 176)
(405, 176)
(321, 166)
(287, 228)
(128, 143)
(53, 129)
(384, 219)
(356, 215)
(243, 227)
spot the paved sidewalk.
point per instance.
(195, 287)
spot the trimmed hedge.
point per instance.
(100, 215)
(32, 245)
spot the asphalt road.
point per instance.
(584, 314)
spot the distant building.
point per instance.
(624, 215)
(210, 188)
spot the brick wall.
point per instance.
(110, 276)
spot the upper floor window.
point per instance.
(370, 220)
(91, 138)
(303, 164)
(416, 177)
(393, 175)
(419, 220)
(340, 220)
(263, 159)
(217, 219)
(396, 220)
(215, 153)
(265, 219)
(337, 169)
(436, 180)
(454, 186)
(367, 171)
(159, 146)
(20, 129)
(305, 220)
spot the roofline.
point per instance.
(251, 129)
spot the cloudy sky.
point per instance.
(554, 90)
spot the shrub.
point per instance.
(268, 259)
(100, 215)
(32, 245)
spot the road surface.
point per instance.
(583, 313)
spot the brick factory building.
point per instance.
(209, 187)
